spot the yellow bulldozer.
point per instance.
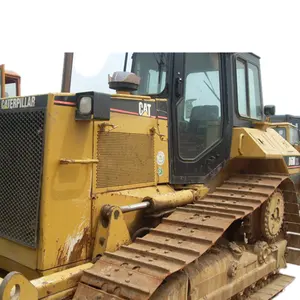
(172, 187)
(289, 132)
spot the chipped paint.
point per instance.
(73, 247)
(78, 247)
(71, 242)
(41, 281)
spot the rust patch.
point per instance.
(79, 246)
(61, 256)
(71, 253)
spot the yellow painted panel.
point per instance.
(162, 152)
(20, 254)
(255, 143)
(65, 213)
(137, 134)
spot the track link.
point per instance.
(136, 271)
(273, 286)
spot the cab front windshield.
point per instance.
(152, 69)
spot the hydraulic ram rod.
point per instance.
(156, 203)
(162, 202)
(136, 206)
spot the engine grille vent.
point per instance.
(21, 163)
(124, 159)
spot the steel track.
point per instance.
(136, 271)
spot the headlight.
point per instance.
(92, 106)
(85, 105)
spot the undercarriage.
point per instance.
(228, 244)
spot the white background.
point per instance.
(34, 35)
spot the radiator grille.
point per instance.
(21, 162)
(124, 159)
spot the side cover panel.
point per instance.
(22, 124)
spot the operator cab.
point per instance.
(9, 83)
(207, 95)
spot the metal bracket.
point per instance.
(112, 232)
(154, 131)
(16, 286)
(105, 125)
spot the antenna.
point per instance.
(125, 62)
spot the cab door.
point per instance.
(201, 122)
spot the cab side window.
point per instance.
(249, 102)
(241, 88)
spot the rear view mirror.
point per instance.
(269, 110)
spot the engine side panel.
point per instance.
(66, 189)
(264, 143)
(132, 148)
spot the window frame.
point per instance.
(246, 62)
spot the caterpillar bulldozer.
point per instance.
(172, 187)
(288, 131)
(294, 120)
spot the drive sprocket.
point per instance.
(272, 214)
